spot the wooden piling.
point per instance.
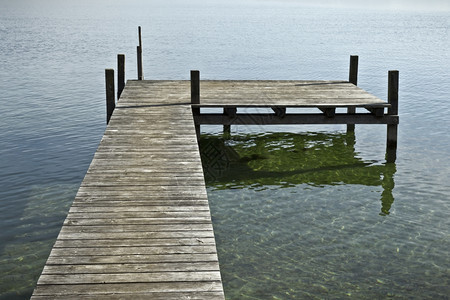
(120, 74)
(392, 129)
(352, 78)
(230, 112)
(195, 96)
(195, 87)
(139, 56)
(353, 73)
(110, 97)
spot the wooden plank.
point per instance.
(128, 288)
(271, 119)
(138, 243)
(110, 194)
(140, 214)
(145, 181)
(129, 268)
(136, 235)
(176, 227)
(135, 221)
(128, 208)
(156, 277)
(131, 259)
(140, 296)
(111, 202)
(119, 251)
(139, 190)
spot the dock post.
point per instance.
(231, 113)
(195, 97)
(352, 78)
(120, 74)
(353, 74)
(139, 56)
(392, 129)
(110, 97)
(226, 129)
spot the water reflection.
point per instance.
(287, 159)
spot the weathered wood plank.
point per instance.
(130, 268)
(181, 226)
(112, 251)
(138, 190)
(139, 214)
(120, 194)
(142, 201)
(127, 288)
(141, 296)
(135, 221)
(128, 208)
(136, 235)
(131, 259)
(150, 181)
(135, 242)
(131, 277)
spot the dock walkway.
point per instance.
(140, 225)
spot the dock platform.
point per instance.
(140, 225)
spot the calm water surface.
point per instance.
(299, 211)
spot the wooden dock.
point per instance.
(140, 225)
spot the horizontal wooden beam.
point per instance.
(283, 104)
(272, 119)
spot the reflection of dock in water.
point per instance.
(287, 159)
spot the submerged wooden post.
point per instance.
(352, 78)
(230, 112)
(392, 129)
(120, 74)
(227, 130)
(139, 56)
(110, 97)
(195, 96)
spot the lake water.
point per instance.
(298, 211)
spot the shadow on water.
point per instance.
(288, 159)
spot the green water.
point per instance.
(303, 216)
(22, 260)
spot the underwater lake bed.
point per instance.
(302, 216)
